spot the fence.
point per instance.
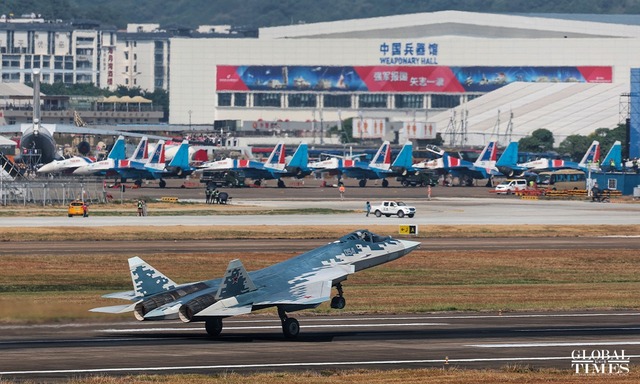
(44, 192)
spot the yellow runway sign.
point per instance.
(408, 229)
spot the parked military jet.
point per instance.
(507, 164)
(275, 167)
(464, 170)
(107, 167)
(591, 159)
(299, 283)
(65, 166)
(380, 166)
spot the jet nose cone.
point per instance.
(81, 171)
(45, 168)
(409, 245)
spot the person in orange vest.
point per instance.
(341, 189)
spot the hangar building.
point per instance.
(404, 76)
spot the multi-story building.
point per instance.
(66, 52)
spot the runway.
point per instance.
(255, 343)
(443, 211)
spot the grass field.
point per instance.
(55, 288)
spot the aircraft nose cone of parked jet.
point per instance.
(47, 168)
(83, 171)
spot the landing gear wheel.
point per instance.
(385, 183)
(281, 184)
(362, 183)
(257, 183)
(290, 328)
(213, 326)
(338, 302)
(162, 183)
(138, 183)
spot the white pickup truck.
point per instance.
(390, 207)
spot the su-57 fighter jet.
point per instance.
(302, 282)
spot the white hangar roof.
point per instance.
(453, 23)
(563, 108)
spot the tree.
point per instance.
(575, 146)
(541, 140)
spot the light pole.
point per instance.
(190, 112)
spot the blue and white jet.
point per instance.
(276, 166)
(466, 171)
(299, 283)
(380, 167)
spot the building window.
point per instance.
(267, 100)
(10, 77)
(224, 99)
(9, 61)
(372, 100)
(68, 62)
(57, 62)
(445, 101)
(240, 99)
(409, 101)
(337, 101)
(302, 100)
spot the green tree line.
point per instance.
(265, 13)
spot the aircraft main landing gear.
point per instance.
(213, 326)
(290, 326)
(338, 302)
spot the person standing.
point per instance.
(207, 193)
(429, 192)
(368, 208)
(341, 189)
(139, 207)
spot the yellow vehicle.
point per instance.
(78, 208)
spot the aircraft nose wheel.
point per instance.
(338, 302)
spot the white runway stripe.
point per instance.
(304, 326)
(286, 365)
(555, 344)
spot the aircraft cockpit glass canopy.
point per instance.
(363, 235)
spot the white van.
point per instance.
(510, 186)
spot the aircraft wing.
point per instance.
(12, 128)
(308, 289)
(69, 128)
(359, 173)
(128, 295)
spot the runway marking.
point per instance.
(579, 329)
(556, 344)
(286, 365)
(125, 330)
(460, 317)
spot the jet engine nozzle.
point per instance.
(148, 305)
(189, 310)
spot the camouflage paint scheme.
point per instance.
(302, 282)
